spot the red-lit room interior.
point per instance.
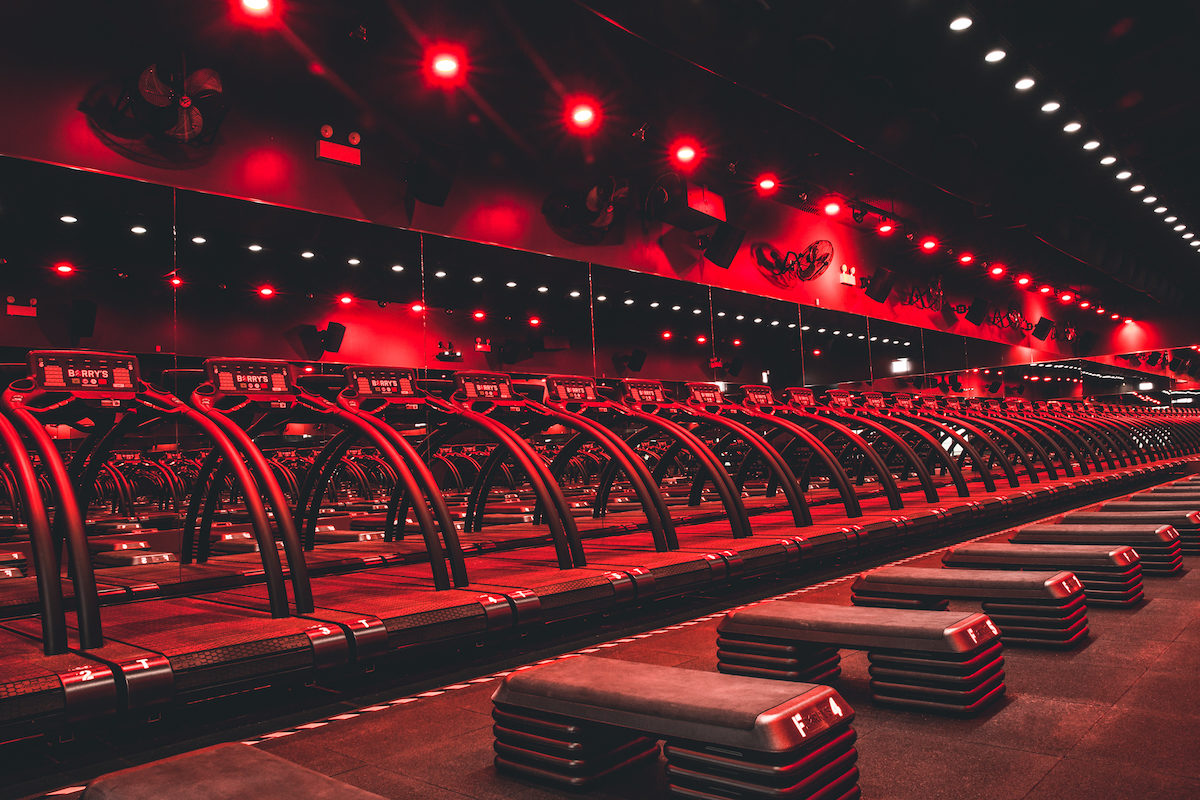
(365, 359)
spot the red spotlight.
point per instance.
(966, 258)
(1084, 304)
(308, 368)
(266, 291)
(1115, 316)
(479, 315)
(767, 183)
(816, 352)
(1099, 309)
(258, 8)
(997, 270)
(686, 153)
(345, 299)
(1024, 280)
(582, 115)
(885, 228)
(666, 334)
(1066, 297)
(445, 64)
(1045, 290)
(176, 280)
(64, 268)
(832, 208)
(534, 322)
(701, 339)
(929, 244)
(417, 308)
(737, 342)
(1128, 321)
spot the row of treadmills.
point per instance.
(163, 547)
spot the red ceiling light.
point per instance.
(885, 228)
(534, 322)
(308, 368)
(737, 342)
(266, 291)
(1066, 297)
(176, 280)
(1128, 321)
(64, 268)
(929, 244)
(685, 153)
(255, 11)
(479, 315)
(1114, 316)
(582, 115)
(966, 258)
(767, 183)
(666, 334)
(1045, 290)
(816, 352)
(445, 65)
(1099, 309)
(832, 208)
(1024, 280)
(997, 270)
(701, 339)
(1084, 304)
(345, 299)
(417, 308)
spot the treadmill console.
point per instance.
(839, 397)
(903, 400)
(83, 371)
(251, 376)
(382, 381)
(569, 388)
(993, 405)
(484, 385)
(638, 390)
(873, 399)
(953, 404)
(800, 396)
(705, 394)
(759, 395)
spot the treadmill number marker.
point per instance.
(798, 721)
(992, 627)
(86, 675)
(971, 633)
(143, 662)
(835, 708)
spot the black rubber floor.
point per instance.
(1116, 718)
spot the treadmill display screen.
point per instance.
(486, 386)
(952, 404)
(252, 377)
(903, 400)
(839, 397)
(646, 391)
(705, 394)
(382, 381)
(566, 389)
(82, 370)
(759, 395)
(800, 396)
(874, 399)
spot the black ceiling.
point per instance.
(877, 101)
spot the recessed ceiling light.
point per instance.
(655, 304)
(1171, 218)
(397, 268)
(511, 284)
(628, 301)
(354, 262)
(805, 327)
(994, 55)
(676, 308)
(1138, 187)
(1051, 107)
(740, 317)
(697, 311)
(1071, 127)
(439, 274)
(138, 229)
(1108, 160)
(1160, 210)
(1179, 227)
(1091, 144)
(1149, 199)
(198, 240)
(1024, 84)
(543, 289)
(600, 298)
(1195, 243)
(1189, 235)
(307, 254)
(575, 293)
(961, 23)
(477, 279)
(67, 218)
(1124, 175)
(254, 248)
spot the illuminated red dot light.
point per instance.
(534, 322)
(1024, 280)
(345, 299)
(266, 291)
(417, 308)
(1066, 297)
(258, 8)
(737, 342)
(582, 115)
(929, 244)
(666, 334)
(479, 315)
(966, 258)
(176, 281)
(816, 352)
(832, 208)
(64, 268)
(701, 339)
(885, 228)
(1045, 290)
(997, 271)
(445, 64)
(767, 183)
(1115, 316)
(1084, 304)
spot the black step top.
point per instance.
(986, 583)
(1048, 556)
